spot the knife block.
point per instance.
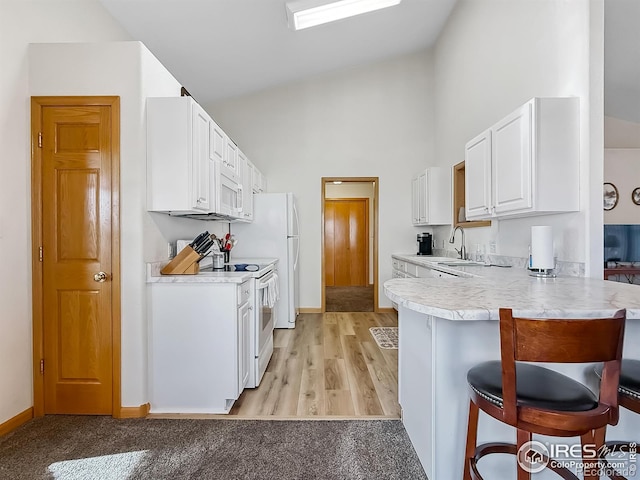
(184, 263)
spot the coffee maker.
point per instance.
(425, 241)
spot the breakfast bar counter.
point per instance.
(448, 325)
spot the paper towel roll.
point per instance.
(542, 248)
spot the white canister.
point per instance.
(541, 248)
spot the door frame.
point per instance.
(37, 292)
(376, 183)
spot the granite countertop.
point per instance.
(207, 275)
(481, 291)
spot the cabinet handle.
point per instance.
(250, 307)
(247, 292)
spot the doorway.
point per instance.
(75, 235)
(349, 244)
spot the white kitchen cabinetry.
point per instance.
(246, 174)
(179, 162)
(186, 157)
(230, 162)
(244, 343)
(431, 197)
(199, 346)
(527, 163)
(256, 181)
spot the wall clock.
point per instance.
(609, 196)
(635, 196)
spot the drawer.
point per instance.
(411, 269)
(244, 292)
(423, 272)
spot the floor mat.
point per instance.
(385, 337)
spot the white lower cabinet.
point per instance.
(199, 346)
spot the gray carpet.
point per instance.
(102, 448)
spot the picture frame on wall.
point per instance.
(609, 196)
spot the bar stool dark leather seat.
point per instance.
(628, 397)
(534, 399)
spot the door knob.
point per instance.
(100, 277)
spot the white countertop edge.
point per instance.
(154, 276)
(432, 299)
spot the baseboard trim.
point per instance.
(13, 423)
(134, 412)
(386, 310)
(310, 310)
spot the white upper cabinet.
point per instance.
(202, 161)
(230, 162)
(218, 142)
(193, 168)
(179, 165)
(431, 197)
(527, 163)
(478, 176)
(246, 175)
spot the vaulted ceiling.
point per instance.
(224, 48)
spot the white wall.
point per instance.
(129, 70)
(23, 22)
(622, 168)
(620, 133)
(492, 56)
(371, 121)
(357, 190)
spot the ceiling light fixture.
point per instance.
(337, 182)
(309, 13)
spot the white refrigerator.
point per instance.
(274, 233)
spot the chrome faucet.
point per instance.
(463, 250)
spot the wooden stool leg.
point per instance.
(523, 437)
(591, 438)
(472, 434)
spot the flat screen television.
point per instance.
(622, 243)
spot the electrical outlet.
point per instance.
(170, 250)
(492, 247)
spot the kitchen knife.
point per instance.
(199, 240)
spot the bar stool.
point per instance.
(628, 397)
(534, 399)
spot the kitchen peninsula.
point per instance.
(447, 325)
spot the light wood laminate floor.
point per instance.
(328, 366)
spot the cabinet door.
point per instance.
(415, 193)
(218, 142)
(246, 177)
(256, 180)
(230, 163)
(423, 199)
(201, 178)
(511, 167)
(244, 331)
(477, 179)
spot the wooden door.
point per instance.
(346, 242)
(75, 172)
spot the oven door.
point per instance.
(263, 339)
